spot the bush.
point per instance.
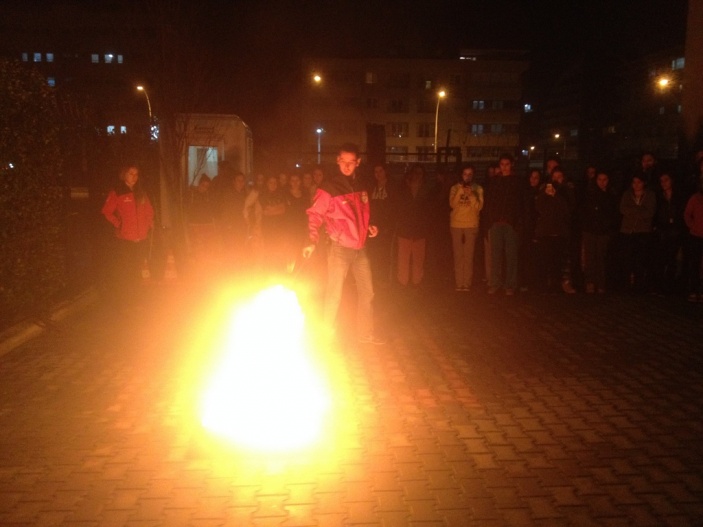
(32, 268)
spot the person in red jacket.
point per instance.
(341, 204)
(129, 210)
(693, 216)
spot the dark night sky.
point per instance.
(258, 43)
(263, 40)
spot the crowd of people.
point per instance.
(545, 231)
(506, 233)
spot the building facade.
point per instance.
(392, 107)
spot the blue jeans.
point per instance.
(503, 243)
(339, 261)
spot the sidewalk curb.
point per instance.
(23, 332)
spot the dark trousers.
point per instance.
(694, 258)
(635, 257)
(552, 254)
(595, 256)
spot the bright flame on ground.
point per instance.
(267, 394)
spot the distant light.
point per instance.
(441, 94)
(317, 78)
(663, 82)
(298, 165)
(319, 130)
(557, 136)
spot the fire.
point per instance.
(267, 393)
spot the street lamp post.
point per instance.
(148, 103)
(563, 153)
(319, 144)
(440, 95)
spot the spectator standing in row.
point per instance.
(693, 216)
(637, 206)
(298, 202)
(669, 236)
(503, 205)
(130, 212)
(412, 228)
(552, 231)
(599, 221)
(382, 196)
(528, 254)
(466, 202)
(233, 226)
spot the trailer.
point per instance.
(210, 139)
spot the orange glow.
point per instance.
(267, 393)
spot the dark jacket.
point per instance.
(413, 214)
(503, 201)
(554, 214)
(599, 214)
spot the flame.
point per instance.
(267, 393)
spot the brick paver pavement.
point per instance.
(481, 410)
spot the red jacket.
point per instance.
(694, 215)
(342, 205)
(131, 217)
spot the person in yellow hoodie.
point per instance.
(466, 202)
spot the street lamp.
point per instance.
(563, 154)
(319, 144)
(148, 103)
(440, 95)
(317, 78)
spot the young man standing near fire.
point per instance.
(341, 204)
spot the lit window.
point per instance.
(123, 129)
(95, 58)
(528, 108)
(108, 58)
(111, 130)
(50, 57)
(25, 57)
(51, 81)
(678, 64)
(120, 59)
(428, 85)
(37, 57)
(662, 110)
(574, 132)
(678, 109)
(478, 105)
(371, 77)
(476, 129)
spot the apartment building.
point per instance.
(395, 105)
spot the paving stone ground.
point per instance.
(488, 411)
